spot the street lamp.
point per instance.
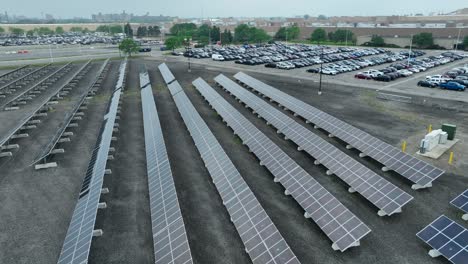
(321, 67)
(409, 54)
(187, 49)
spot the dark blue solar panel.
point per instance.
(448, 238)
(461, 201)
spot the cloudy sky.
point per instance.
(226, 8)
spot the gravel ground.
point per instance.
(37, 205)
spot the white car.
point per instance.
(373, 73)
(329, 71)
(405, 73)
(217, 57)
(285, 65)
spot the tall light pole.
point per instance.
(187, 48)
(346, 38)
(410, 47)
(458, 39)
(321, 67)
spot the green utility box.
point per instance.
(451, 131)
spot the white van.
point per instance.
(217, 57)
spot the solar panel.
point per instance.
(380, 192)
(419, 172)
(261, 238)
(447, 238)
(80, 232)
(169, 235)
(166, 73)
(338, 223)
(461, 202)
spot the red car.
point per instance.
(22, 51)
(363, 76)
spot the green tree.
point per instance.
(45, 31)
(319, 35)
(241, 33)
(226, 37)
(423, 40)
(154, 31)
(377, 41)
(103, 28)
(59, 30)
(129, 46)
(280, 34)
(112, 29)
(142, 31)
(76, 29)
(215, 33)
(173, 42)
(128, 30)
(244, 33)
(341, 35)
(294, 32)
(2, 30)
(288, 33)
(16, 31)
(465, 42)
(85, 30)
(30, 33)
(115, 29)
(184, 30)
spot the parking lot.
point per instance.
(37, 205)
(403, 86)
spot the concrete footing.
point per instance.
(5, 154)
(98, 232)
(419, 186)
(45, 165)
(20, 136)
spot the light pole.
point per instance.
(321, 67)
(409, 54)
(458, 39)
(187, 48)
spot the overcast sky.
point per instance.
(226, 8)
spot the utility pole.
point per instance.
(346, 38)
(458, 39)
(410, 46)
(321, 67)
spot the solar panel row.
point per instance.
(80, 231)
(380, 192)
(261, 238)
(169, 235)
(447, 238)
(419, 172)
(336, 221)
(166, 73)
(461, 202)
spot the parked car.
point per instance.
(383, 78)
(362, 75)
(145, 49)
(217, 57)
(452, 86)
(314, 70)
(427, 84)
